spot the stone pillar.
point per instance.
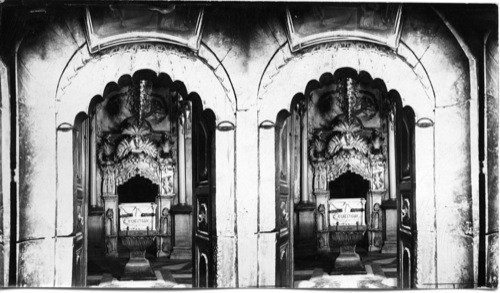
(392, 163)
(453, 196)
(425, 235)
(389, 206)
(111, 213)
(266, 254)
(182, 212)
(491, 156)
(188, 151)
(164, 220)
(322, 195)
(93, 164)
(66, 217)
(5, 177)
(247, 196)
(305, 209)
(36, 189)
(304, 186)
(181, 161)
(225, 203)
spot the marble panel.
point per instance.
(225, 181)
(51, 48)
(247, 262)
(267, 180)
(226, 261)
(424, 176)
(453, 193)
(36, 263)
(454, 260)
(492, 260)
(426, 259)
(246, 172)
(448, 68)
(420, 26)
(64, 261)
(267, 259)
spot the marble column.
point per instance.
(182, 212)
(491, 145)
(93, 164)
(181, 162)
(392, 162)
(111, 213)
(5, 177)
(389, 206)
(305, 210)
(303, 158)
(164, 218)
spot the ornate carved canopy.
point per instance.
(137, 150)
(346, 151)
(345, 146)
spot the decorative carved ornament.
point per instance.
(345, 147)
(137, 150)
(346, 151)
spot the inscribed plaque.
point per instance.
(137, 216)
(346, 211)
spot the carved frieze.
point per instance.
(137, 155)
(346, 151)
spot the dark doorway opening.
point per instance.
(137, 189)
(349, 185)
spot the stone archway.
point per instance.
(74, 95)
(281, 82)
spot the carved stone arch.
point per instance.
(200, 73)
(93, 104)
(279, 82)
(282, 116)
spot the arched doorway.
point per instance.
(147, 165)
(349, 131)
(74, 94)
(349, 117)
(280, 82)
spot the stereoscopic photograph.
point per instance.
(183, 145)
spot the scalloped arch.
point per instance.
(288, 73)
(87, 75)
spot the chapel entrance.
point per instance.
(341, 151)
(145, 166)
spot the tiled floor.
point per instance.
(313, 272)
(310, 272)
(169, 273)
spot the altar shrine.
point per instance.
(349, 158)
(137, 232)
(137, 161)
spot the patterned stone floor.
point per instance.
(310, 272)
(313, 272)
(169, 274)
